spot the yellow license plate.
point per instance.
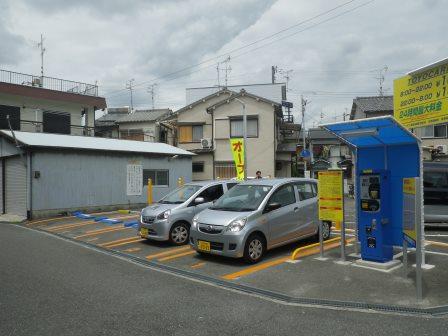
(203, 246)
(143, 232)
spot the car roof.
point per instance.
(277, 181)
(208, 182)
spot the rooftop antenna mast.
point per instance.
(42, 51)
(227, 69)
(287, 75)
(151, 90)
(130, 87)
(381, 80)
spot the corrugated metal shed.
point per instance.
(93, 143)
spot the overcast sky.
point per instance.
(334, 57)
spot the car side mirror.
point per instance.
(272, 206)
(199, 200)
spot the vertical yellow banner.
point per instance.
(237, 148)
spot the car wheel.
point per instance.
(254, 249)
(179, 234)
(326, 231)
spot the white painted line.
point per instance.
(438, 253)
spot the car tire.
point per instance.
(254, 249)
(179, 233)
(326, 229)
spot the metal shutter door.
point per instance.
(15, 187)
(1, 186)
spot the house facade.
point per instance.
(206, 126)
(48, 105)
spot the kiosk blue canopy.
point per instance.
(385, 153)
(372, 132)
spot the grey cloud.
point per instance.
(12, 44)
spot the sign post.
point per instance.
(331, 203)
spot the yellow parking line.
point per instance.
(136, 240)
(168, 252)
(47, 220)
(256, 268)
(176, 256)
(98, 232)
(198, 265)
(77, 224)
(119, 241)
(132, 249)
(308, 250)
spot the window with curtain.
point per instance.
(191, 133)
(236, 128)
(440, 131)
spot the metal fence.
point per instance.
(48, 83)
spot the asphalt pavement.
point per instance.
(51, 286)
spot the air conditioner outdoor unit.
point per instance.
(443, 149)
(206, 143)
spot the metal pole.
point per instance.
(343, 258)
(303, 132)
(355, 194)
(419, 242)
(321, 240)
(405, 258)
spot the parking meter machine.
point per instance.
(374, 215)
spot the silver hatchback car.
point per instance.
(256, 216)
(171, 217)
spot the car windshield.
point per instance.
(180, 195)
(242, 198)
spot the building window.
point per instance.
(236, 128)
(133, 134)
(14, 117)
(56, 122)
(198, 167)
(440, 131)
(225, 170)
(191, 133)
(158, 177)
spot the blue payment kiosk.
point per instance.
(385, 153)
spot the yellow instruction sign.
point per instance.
(421, 99)
(331, 196)
(409, 210)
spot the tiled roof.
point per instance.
(144, 115)
(374, 104)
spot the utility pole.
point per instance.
(130, 87)
(287, 75)
(274, 71)
(42, 51)
(151, 90)
(303, 131)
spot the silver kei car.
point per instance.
(170, 218)
(256, 216)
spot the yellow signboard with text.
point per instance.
(421, 99)
(237, 148)
(409, 210)
(331, 196)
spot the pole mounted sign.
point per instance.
(237, 148)
(331, 196)
(421, 97)
(410, 210)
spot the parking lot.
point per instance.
(277, 273)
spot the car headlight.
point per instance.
(195, 222)
(237, 225)
(164, 215)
